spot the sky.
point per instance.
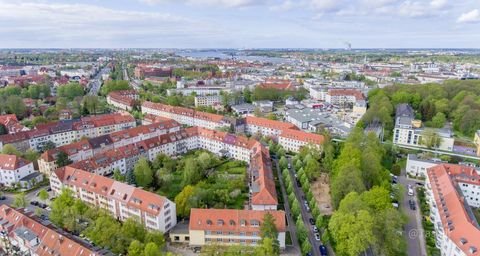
(239, 23)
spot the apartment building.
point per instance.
(263, 195)
(86, 149)
(121, 200)
(409, 131)
(344, 96)
(208, 100)
(293, 140)
(66, 131)
(22, 233)
(418, 167)
(186, 116)
(230, 226)
(266, 127)
(124, 100)
(16, 170)
(450, 191)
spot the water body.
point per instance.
(228, 55)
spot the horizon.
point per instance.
(261, 24)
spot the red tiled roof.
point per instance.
(273, 124)
(12, 162)
(261, 167)
(307, 137)
(149, 202)
(230, 220)
(347, 92)
(443, 181)
(183, 111)
(51, 242)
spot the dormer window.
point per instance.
(243, 223)
(220, 222)
(232, 223)
(209, 222)
(255, 223)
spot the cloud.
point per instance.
(438, 4)
(63, 25)
(221, 3)
(469, 17)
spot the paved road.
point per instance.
(30, 196)
(291, 223)
(306, 215)
(96, 83)
(413, 229)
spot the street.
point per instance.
(30, 196)
(96, 83)
(291, 223)
(306, 215)
(413, 230)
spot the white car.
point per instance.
(410, 192)
(317, 236)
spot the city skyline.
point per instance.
(239, 24)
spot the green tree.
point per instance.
(130, 177)
(268, 230)
(91, 103)
(182, 201)
(20, 201)
(39, 120)
(135, 248)
(353, 232)
(132, 229)
(9, 149)
(143, 173)
(151, 249)
(430, 138)
(62, 159)
(302, 233)
(438, 121)
(266, 247)
(283, 162)
(43, 195)
(16, 106)
(204, 160)
(306, 247)
(118, 176)
(191, 172)
(48, 145)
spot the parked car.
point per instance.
(315, 229)
(410, 192)
(307, 208)
(42, 205)
(323, 250)
(2, 197)
(289, 166)
(197, 249)
(312, 221)
(49, 189)
(413, 207)
(34, 203)
(317, 236)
